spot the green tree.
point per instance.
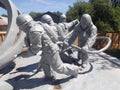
(104, 15)
(116, 19)
(78, 9)
(35, 15)
(4, 15)
(58, 13)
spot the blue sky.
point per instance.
(26, 6)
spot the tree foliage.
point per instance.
(105, 17)
(36, 15)
(4, 15)
(78, 9)
(58, 13)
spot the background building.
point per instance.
(3, 23)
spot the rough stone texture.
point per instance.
(105, 75)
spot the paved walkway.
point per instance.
(105, 75)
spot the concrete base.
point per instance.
(104, 75)
(5, 86)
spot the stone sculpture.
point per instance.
(39, 40)
(8, 49)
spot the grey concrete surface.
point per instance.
(104, 75)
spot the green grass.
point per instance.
(115, 53)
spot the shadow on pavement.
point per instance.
(24, 82)
(7, 69)
(28, 68)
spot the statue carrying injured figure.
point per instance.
(86, 32)
(40, 41)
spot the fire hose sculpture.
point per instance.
(8, 49)
(93, 51)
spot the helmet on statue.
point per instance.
(47, 19)
(85, 21)
(22, 20)
(63, 18)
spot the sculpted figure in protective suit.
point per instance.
(86, 32)
(39, 40)
(60, 31)
(67, 26)
(54, 27)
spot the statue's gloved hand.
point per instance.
(76, 21)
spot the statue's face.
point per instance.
(24, 27)
(48, 22)
(83, 25)
(85, 22)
